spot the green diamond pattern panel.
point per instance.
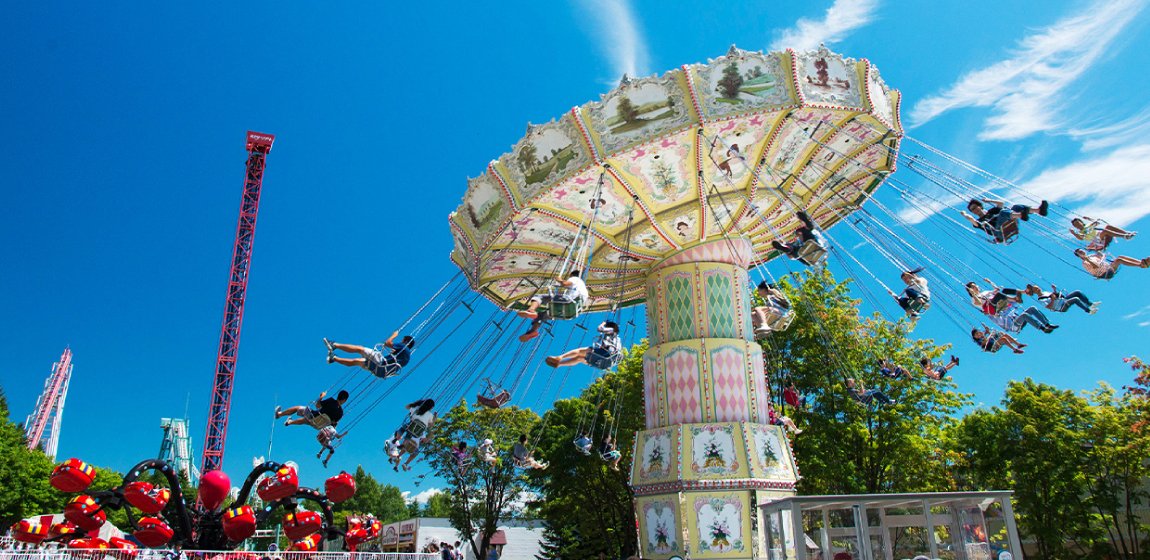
(720, 306)
(680, 309)
(652, 315)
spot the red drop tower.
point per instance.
(217, 430)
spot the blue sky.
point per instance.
(122, 165)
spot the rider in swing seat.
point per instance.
(603, 352)
(574, 291)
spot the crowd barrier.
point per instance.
(149, 554)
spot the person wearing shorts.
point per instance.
(380, 364)
(332, 408)
(937, 373)
(1096, 264)
(992, 341)
(606, 345)
(994, 219)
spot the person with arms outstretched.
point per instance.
(379, 364)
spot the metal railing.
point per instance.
(150, 554)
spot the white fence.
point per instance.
(149, 554)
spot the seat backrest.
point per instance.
(781, 322)
(603, 361)
(416, 428)
(1009, 232)
(319, 421)
(564, 309)
(812, 253)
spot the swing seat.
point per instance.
(496, 401)
(1007, 233)
(416, 429)
(780, 322)
(812, 253)
(917, 306)
(563, 309)
(319, 421)
(599, 358)
(609, 456)
(584, 449)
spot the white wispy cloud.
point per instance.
(1026, 90)
(1119, 131)
(840, 19)
(614, 24)
(1136, 314)
(422, 497)
(1114, 186)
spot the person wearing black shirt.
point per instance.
(332, 408)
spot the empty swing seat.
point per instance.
(812, 253)
(496, 401)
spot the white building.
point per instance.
(519, 539)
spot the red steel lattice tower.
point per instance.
(42, 427)
(217, 431)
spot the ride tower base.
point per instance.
(708, 457)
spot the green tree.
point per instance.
(588, 508)
(438, 505)
(480, 495)
(384, 501)
(848, 447)
(24, 487)
(1034, 445)
(627, 110)
(731, 81)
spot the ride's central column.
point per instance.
(708, 455)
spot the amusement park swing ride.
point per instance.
(669, 191)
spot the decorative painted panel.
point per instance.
(715, 452)
(660, 526)
(719, 524)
